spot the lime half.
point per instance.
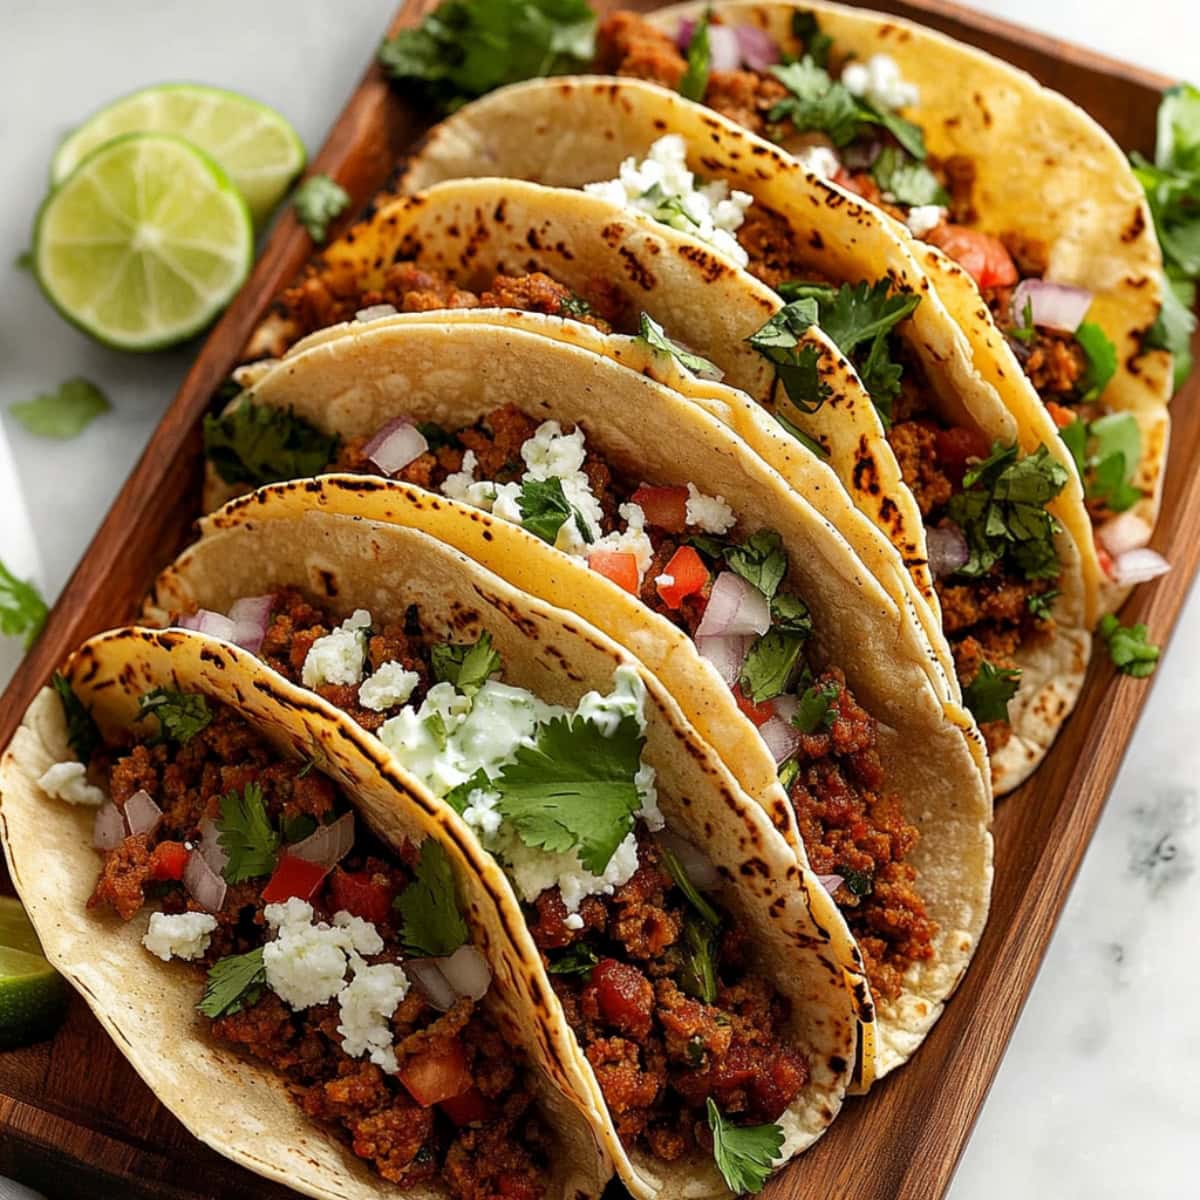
(255, 146)
(145, 242)
(32, 994)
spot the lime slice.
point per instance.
(145, 242)
(16, 929)
(256, 146)
(33, 995)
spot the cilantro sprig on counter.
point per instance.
(234, 982)
(744, 1154)
(22, 610)
(467, 665)
(258, 443)
(181, 715)
(63, 413)
(246, 835)
(431, 923)
(318, 202)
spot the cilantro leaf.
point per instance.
(779, 341)
(694, 897)
(437, 436)
(1176, 323)
(817, 709)
(817, 102)
(22, 609)
(181, 715)
(789, 612)
(1041, 604)
(464, 48)
(1127, 647)
(988, 694)
(809, 443)
(574, 789)
(857, 883)
(578, 959)
(459, 797)
(64, 413)
(1101, 357)
(1027, 330)
(770, 664)
(909, 182)
(467, 665)
(431, 923)
(760, 560)
(808, 33)
(788, 773)
(82, 732)
(246, 835)
(1106, 453)
(258, 443)
(744, 1154)
(234, 982)
(1075, 438)
(652, 333)
(544, 509)
(318, 201)
(699, 975)
(694, 83)
(575, 306)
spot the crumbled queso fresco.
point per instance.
(880, 81)
(68, 781)
(179, 935)
(662, 187)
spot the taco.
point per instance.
(610, 817)
(831, 670)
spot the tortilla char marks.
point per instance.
(527, 625)
(984, 112)
(866, 472)
(639, 273)
(464, 619)
(898, 32)
(752, 866)
(711, 268)
(815, 240)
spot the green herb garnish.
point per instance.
(771, 664)
(578, 959)
(1127, 647)
(745, 1154)
(682, 881)
(988, 694)
(318, 201)
(246, 836)
(817, 710)
(22, 609)
(760, 560)
(234, 982)
(430, 922)
(64, 413)
(181, 715)
(699, 975)
(82, 732)
(796, 363)
(1101, 357)
(654, 336)
(544, 509)
(467, 665)
(258, 443)
(907, 181)
(694, 83)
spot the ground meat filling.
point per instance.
(493, 1145)
(659, 1049)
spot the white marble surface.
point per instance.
(1098, 1095)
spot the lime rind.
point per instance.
(256, 145)
(135, 283)
(33, 998)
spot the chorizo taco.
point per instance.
(659, 540)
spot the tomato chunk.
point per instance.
(358, 894)
(168, 861)
(1107, 565)
(618, 566)
(760, 714)
(624, 995)
(437, 1074)
(293, 877)
(1059, 414)
(688, 576)
(980, 254)
(665, 507)
(956, 445)
(468, 1108)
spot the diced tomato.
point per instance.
(849, 181)
(624, 995)
(980, 254)
(437, 1074)
(168, 861)
(956, 445)
(356, 893)
(1059, 414)
(618, 566)
(468, 1108)
(688, 575)
(293, 877)
(760, 714)
(665, 507)
(1106, 561)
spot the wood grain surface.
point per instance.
(74, 1118)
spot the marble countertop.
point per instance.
(1083, 1105)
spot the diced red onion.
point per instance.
(734, 607)
(142, 815)
(683, 35)
(108, 828)
(699, 867)
(782, 738)
(373, 312)
(250, 616)
(831, 883)
(467, 972)
(785, 707)
(724, 51)
(426, 974)
(757, 49)
(858, 156)
(948, 549)
(395, 446)
(1139, 566)
(726, 654)
(214, 624)
(210, 845)
(203, 884)
(329, 844)
(1122, 533)
(1053, 305)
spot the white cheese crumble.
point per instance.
(306, 963)
(818, 160)
(880, 81)
(338, 656)
(179, 935)
(924, 218)
(664, 580)
(662, 187)
(710, 513)
(366, 1005)
(392, 684)
(68, 781)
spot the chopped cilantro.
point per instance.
(907, 181)
(430, 922)
(181, 715)
(435, 723)
(1041, 604)
(809, 443)
(467, 665)
(1075, 438)
(459, 797)
(64, 413)
(808, 33)
(1127, 647)
(796, 364)
(652, 333)
(669, 210)
(857, 883)
(817, 709)
(318, 201)
(234, 982)
(464, 48)
(713, 547)
(544, 509)
(1027, 330)
(297, 828)
(744, 1154)
(1101, 357)
(246, 835)
(699, 975)
(694, 897)
(788, 773)
(578, 959)
(1176, 323)
(694, 83)
(22, 609)
(789, 612)
(574, 789)
(760, 560)
(770, 664)
(1106, 453)
(258, 443)
(82, 731)
(437, 436)
(575, 306)
(988, 694)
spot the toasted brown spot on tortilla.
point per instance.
(637, 271)
(1136, 226)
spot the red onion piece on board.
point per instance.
(948, 550)
(329, 844)
(108, 828)
(831, 883)
(735, 607)
(395, 446)
(467, 972)
(698, 866)
(1053, 305)
(782, 738)
(427, 977)
(142, 815)
(726, 653)
(214, 624)
(203, 884)
(250, 616)
(1123, 533)
(1139, 566)
(757, 49)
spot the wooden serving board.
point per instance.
(74, 1118)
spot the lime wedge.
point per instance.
(16, 929)
(256, 146)
(145, 242)
(33, 995)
